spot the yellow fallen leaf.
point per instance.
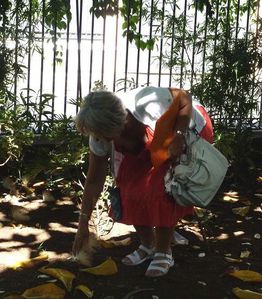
(108, 267)
(246, 294)
(242, 211)
(245, 254)
(115, 243)
(44, 291)
(30, 263)
(247, 275)
(200, 212)
(63, 275)
(85, 290)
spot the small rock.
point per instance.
(202, 283)
(201, 254)
(48, 196)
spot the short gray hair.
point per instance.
(101, 114)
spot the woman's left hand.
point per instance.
(177, 146)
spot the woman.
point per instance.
(129, 129)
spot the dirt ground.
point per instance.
(231, 241)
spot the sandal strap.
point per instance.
(158, 268)
(158, 262)
(134, 256)
(162, 265)
(165, 258)
(164, 255)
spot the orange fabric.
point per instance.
(164, 132)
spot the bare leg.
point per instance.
(147, 236)
(164, 237)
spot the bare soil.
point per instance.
(201, 267)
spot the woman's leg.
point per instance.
(164, 236)
(163, 255)
(146, 235)
(147, 238)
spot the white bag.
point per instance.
(199, 174)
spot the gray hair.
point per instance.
(101, 114)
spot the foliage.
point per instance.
(244, 155)
(228, 86)
(133, 14)
(60, 151)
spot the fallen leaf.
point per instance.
(85, 290)
(108, 267)
(20, 214)
(48, 196)
(245, 254)
(247, 275)
(115, 243)
(201, 254)
(231, 193)
(246, 294)
(38, 184)
(44, 291)
(246, 202)
(85, 254)
(9, 184)
(200, 212)
(63, 275)
(30, 263)
(202, 283)
(242, 211)
(132, 293)
(231, 197)
(232, 260)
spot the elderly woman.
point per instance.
(124, 128)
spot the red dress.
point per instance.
(143, 197)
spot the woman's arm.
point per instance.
(96, 175)
(176, 148)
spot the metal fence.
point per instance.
(92, 51)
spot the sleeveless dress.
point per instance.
(143, 197)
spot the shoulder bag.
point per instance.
(199, 173)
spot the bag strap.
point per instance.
(164, 130)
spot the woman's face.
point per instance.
(132, 138)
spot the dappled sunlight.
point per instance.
(46, 228)
(238, 233)
(223, 236)
(9, 259)
(58, 227)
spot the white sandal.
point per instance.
(161, 263)
(135, 257)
